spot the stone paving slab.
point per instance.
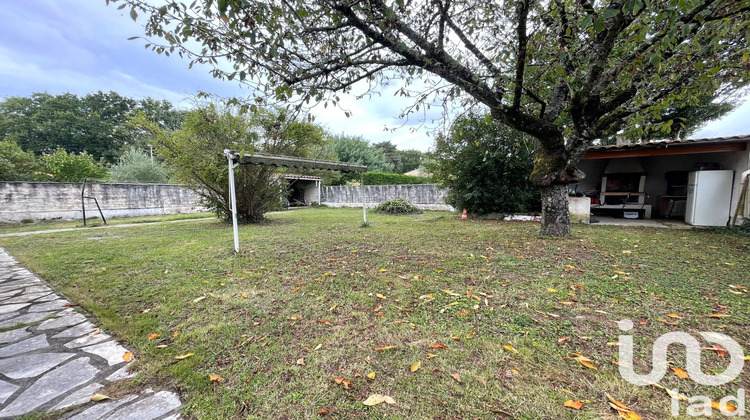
(53, 357)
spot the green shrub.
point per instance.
(382, 178)
(17, 165)
(71, 167)
(397, 206)
(137, 166)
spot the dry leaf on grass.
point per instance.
(415, 366)
(384, 348)
(574, 404)
(184, 356)
(622, 409)
(585, 361)
(510, 348)
(456, 376)
(215, 378)
(681, 373)
(376, 399)
(718, 316)
(437, 346)
(301, 361)
(153, 336)
(371, 375)
(128, 356)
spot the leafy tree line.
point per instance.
(96, 123)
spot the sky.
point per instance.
(82, 46)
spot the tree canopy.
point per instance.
(566, 72)
(95, 123)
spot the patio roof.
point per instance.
(295, 162)
(670, 147)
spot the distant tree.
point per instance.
(195, 155)
(95, 123)
(135, 165)
(357, 150)
(391, 155)
(411, 159)
(72, 167)
(17, 165)
(485, 167)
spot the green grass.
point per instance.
(96, 222)
(314, 285)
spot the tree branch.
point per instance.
(522, 13)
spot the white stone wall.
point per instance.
(424, 196)
(62, 200)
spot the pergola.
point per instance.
(234, 159)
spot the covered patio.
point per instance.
(651, 179)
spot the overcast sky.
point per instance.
(81, 46)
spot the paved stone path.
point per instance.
(53, 358)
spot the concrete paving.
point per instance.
(52, 357)
(654, 223)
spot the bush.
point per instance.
(73, 167)
(397, 206)
(17, 165)
(486, 167)
(137, 166)
(381, 178)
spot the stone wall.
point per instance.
(62, 200)
(424, 196)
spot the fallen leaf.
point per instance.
(198, 299)
(470, 335)
(161, 346)
(585, 361)
(175, 334)
(371, 375)
(215, 378)
(622, 409)
(627, 252)
(456, 338)
(437, 346)
(415, 366)
(380, 296)
(99, 397)
(431, 355)
(668, 323)
(574, 404)
(323, 412)
(301, 361)
(382, 270)
(681, 373)
(510, 348)
(721, 351)
(563, 339)
(128, 356)
(456, 376)
(674, 316)
(184, 356)
(384, 348)
(153, 336)
(718, 316)
(551, 290)
(729, 407)
(376, 399)
(343, 381)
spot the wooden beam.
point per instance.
(670, 150)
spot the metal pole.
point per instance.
(83, 201)
(364, 208)
(320, 197)
(233, 200)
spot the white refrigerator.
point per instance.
(709, 197)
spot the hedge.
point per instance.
(380, 178)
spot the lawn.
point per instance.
(93, 222)
(452, 319)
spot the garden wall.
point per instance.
(62, 200)
(424, 196)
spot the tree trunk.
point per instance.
(555, 212)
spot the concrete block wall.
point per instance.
(424, 196)
(62, 200)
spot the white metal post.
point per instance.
(364, 207)
(233, 199)
(320, 197)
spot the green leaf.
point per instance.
(599, 25)
(133, 14)
(610, 13)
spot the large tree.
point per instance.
(566, 72)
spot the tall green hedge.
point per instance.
(381, 178)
